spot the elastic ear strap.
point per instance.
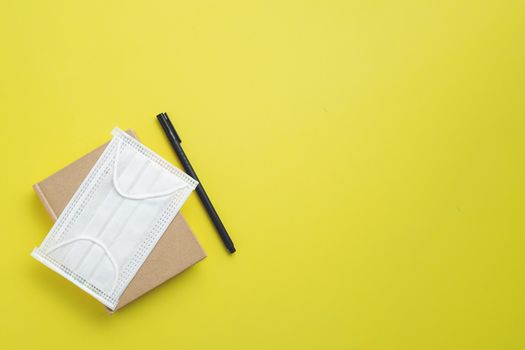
(100, 244)
(138, 196)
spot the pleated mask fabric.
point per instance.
(115, 218)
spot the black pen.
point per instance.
(175, 142)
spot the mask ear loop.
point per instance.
(138, 196)
(101, 245)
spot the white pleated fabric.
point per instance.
(115, 218)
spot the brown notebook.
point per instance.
(176, 250)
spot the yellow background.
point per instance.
(368, 158)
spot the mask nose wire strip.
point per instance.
(100, 244)
(138, 196)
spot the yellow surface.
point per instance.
(368, 158)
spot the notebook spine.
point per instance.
(41, 195)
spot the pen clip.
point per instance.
(171, 127)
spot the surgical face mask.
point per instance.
(115, 219)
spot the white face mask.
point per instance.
(115, 218)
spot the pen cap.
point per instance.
(166, 122)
